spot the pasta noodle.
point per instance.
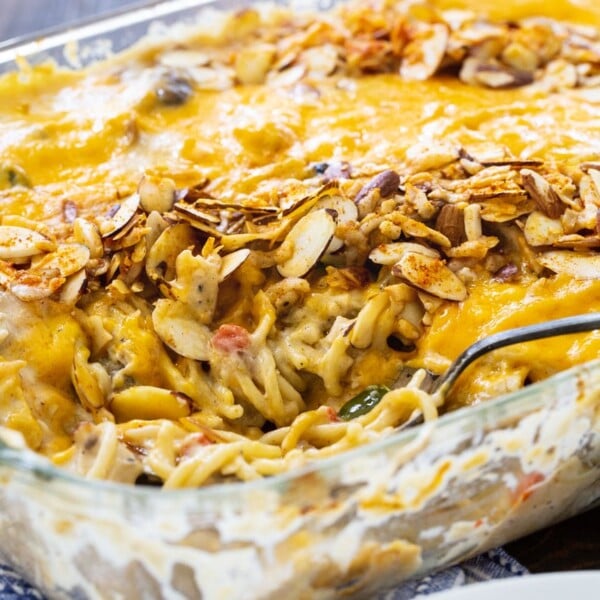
(225, 268)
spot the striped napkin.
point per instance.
(495, 564)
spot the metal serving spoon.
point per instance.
(371, 395)
(577, 324)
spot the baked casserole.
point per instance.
(243, 247)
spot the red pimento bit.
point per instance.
(231, 338)
(332, 415)
(192, 442)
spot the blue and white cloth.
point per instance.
(495, 564)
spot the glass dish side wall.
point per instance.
(351, 525)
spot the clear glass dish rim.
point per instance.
(509, 406)
(461, 421)
(56, 37)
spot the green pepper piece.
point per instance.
(12, 175)
(363, 402)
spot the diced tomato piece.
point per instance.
(231, 338)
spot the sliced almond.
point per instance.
(541, 230)
(423, 55)
(309, 238)
(73, 288)
(175, 326)
(544, 195)
(124, 214)
(232, 261)
(390, 254)
(155, 195)
(431, 275)
(85, 232)
(581, 265)
(183, 58)
(346, 212)
(451, 222)
(386, 182)
(19, 242)
(65, 260)
(320, 60)
(252, 63)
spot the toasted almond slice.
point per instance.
(595, 177)
(451, 223)
(148, 403)
(309, 238)
(320, 60)
(581, 265)
(430, 274)
(346, 212)
(157, 196)
(577, 242)
(184, 58)
(216, 78)
(544, 195)
(232, 261)
(253, 62)
(175, 326)
(66, 260)
(19, 242)
(73, 288)
(85, 232)
(390, 254)
(125, 213)
(386, 182)
(424, 53)
(541, 230)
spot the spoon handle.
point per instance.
(509, 337)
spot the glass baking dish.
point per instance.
(349, 526)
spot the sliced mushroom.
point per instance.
(160, 262)
(19, 242)
(431, 275)
(176, 327)
(309, 238)
(197, 283)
